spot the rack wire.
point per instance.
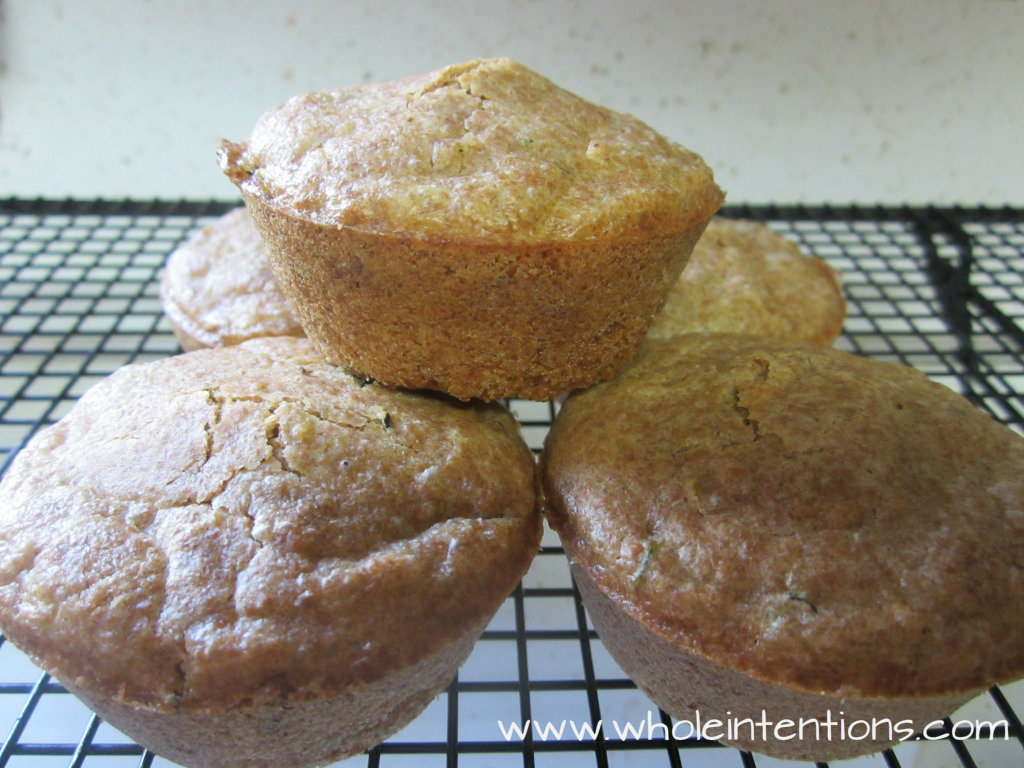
(940, 289)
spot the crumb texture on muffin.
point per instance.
(251, 525)
(481, 151)
(218, 288)
(475, 230)
(743, 277)
(809, 517)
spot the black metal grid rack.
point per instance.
(938, 289)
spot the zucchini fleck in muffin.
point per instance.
(761, 526)
(245, 556)
(743, 277)
(218, 289)
(476, 230)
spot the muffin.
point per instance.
(744, 278)
(475, 230)
(766, 528)
(218, 289)
(246, 556)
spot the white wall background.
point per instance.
(789, 100)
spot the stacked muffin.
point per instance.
(475, 230)
(280, 549)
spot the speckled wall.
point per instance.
(853, 101)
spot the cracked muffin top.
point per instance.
(482, 151)
(809, 517)
(250, 524)
(742, 277)
(218, 288)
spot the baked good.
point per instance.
(476, 230)
(743, 277)
(217, 288)
(772, 526)
(246, 556)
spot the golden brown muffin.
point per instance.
(476, 230)
(780, 526)
(744, 278)
(246, 556)
(218, 289)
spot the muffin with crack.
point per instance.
(247, 556)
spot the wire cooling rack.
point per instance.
(938, 289)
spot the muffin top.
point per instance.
(742, 277)
(814, 519)
(482, 151)
(250, 524)
(218, 288)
